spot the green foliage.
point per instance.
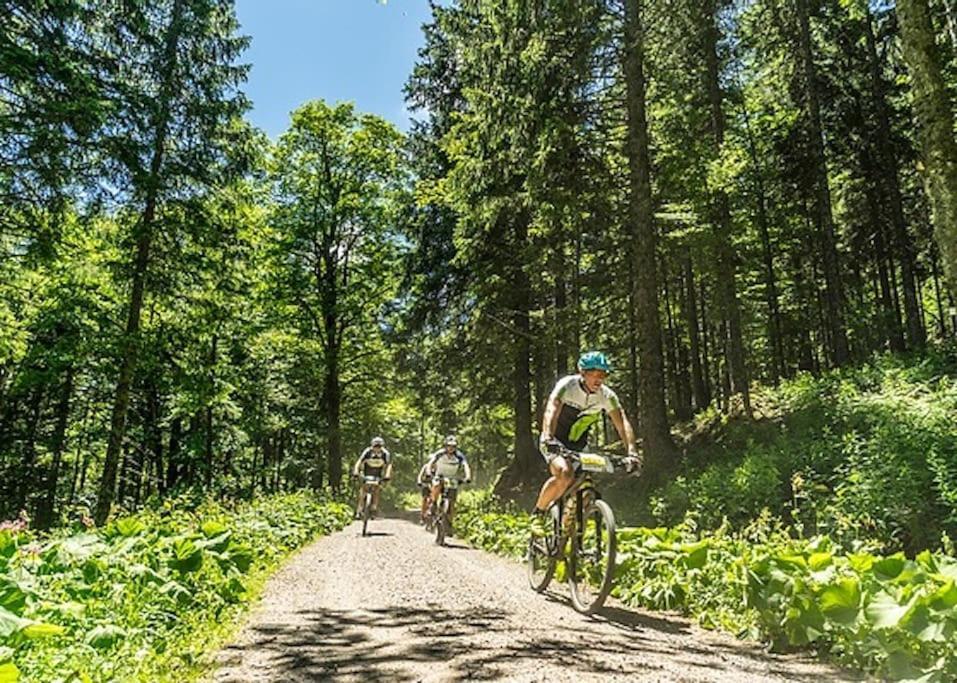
(141, 598)
(866, 455)
(888, 615)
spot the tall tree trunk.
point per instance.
(890, 323)
(705, 343)
(48, 504)
(173, 470)
(154, 436)
(725, 266)
(333, 405)
(886, 169)
(935, 127)
(526, 464)
(144, 241)
(824, 218)
(941, 314)
(690, 309)
(633, 404)
(656, 434)
(562, 333)
(24, 483)
(210, 434)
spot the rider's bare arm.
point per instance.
(552, 410)
(623, 427)
(468, 471)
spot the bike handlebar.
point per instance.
(619, 462)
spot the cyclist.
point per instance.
(448, 462)
(425, 488)
(375, 461)
(576, 403)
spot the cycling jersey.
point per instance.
(443, 465)
(580, 410)
(373, 463)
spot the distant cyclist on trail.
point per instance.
(424, 481)
(448, 462)
(375, 461)
(576, 403)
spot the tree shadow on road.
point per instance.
(399, 643)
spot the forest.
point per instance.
(749, 205)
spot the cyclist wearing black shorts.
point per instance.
(448, 462)
(375, 461)
(425, 488)
(576, 403)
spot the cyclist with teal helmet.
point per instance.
(576, 403)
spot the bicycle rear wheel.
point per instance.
(539, 561)
(592, 563)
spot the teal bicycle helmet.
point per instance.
(594, 360)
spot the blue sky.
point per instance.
(358, 50)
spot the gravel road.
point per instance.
(396, 607)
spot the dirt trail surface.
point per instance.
(396, 607)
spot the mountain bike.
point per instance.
(438, 517)
(371, 484)
(582, 520)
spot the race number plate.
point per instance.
(592, 462)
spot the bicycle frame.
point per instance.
(581, 486)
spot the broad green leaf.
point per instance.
(187, 557)
(241, 556)
(8, 543)
(41, 630)
(889, 568)
(129, 526)
(215, 543)
(104, 637)
(10, 623)
(948, 567)
(9, 673)
(944, 597)
(212, 528)
(12, 597)
(841, 601)
(696, 554)
(861, 562)
(818, 561)
(929, 626)
(885, 612)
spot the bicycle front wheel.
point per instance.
(441, 522)
(538, 560)
(366, 511)
(592, 562)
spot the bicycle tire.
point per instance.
(539, 563)
(365, 513)
(440, 523)
(585, 600)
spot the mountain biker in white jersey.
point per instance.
(375, 461)
(448, 462)
(576, 403)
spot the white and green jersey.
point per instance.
(580, 409)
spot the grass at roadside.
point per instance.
(147, 596)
